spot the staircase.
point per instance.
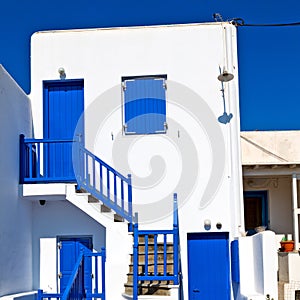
(162, 260)
(154, 265)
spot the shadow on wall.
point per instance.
(21, 296)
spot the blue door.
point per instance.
(208, 266)
(63, 108)
(70, 249)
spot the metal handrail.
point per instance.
(105, 183)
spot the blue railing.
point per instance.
(75, 289)
(49, 160)
(46, 160)
(158, 236)
(105, 183)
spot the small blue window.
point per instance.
(144, 105)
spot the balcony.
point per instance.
(67, 161)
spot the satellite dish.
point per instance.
(225, 76)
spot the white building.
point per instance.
(148, 102)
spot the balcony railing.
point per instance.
(49, 160)
(46, 160)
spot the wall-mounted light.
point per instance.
(62, 73)
(225, 117)
(225, 76)
(207, 224)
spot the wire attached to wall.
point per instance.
(240, 22)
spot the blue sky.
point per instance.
(269, 57)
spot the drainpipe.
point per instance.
(295, 211)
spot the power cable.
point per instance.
(241, 22)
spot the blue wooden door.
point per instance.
(208, 266)
(70, 249)
(63, 108)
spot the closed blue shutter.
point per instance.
(145, 106)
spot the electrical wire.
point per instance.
(240, 22)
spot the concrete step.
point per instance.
(151, 257)
(157, 282)
(160, 247)
(149, 289)
(160, 268)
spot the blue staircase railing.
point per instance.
(49, 160)
(75, 288)
(105, 183)
(162, 237)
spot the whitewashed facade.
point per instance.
(197, 155)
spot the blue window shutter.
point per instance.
(145, 105)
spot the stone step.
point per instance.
(160, 247)
(160, 268)
(151, 257)
(156, 282)
(149, 289)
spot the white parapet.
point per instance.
(258, 266)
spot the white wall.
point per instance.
(15, 215)
(258, 265)
(58, 218)
(198, 157)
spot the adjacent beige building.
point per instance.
(271, 173)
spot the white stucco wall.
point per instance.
(258, 266)
(198, 157)
(191, 56)
(54, 219)
(15, 215)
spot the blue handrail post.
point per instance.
(130, 202)
(82, 292)
(135, 258)
(176, 239)
(22, 158)
(103, 260)
(79, 161)
(40, 295)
